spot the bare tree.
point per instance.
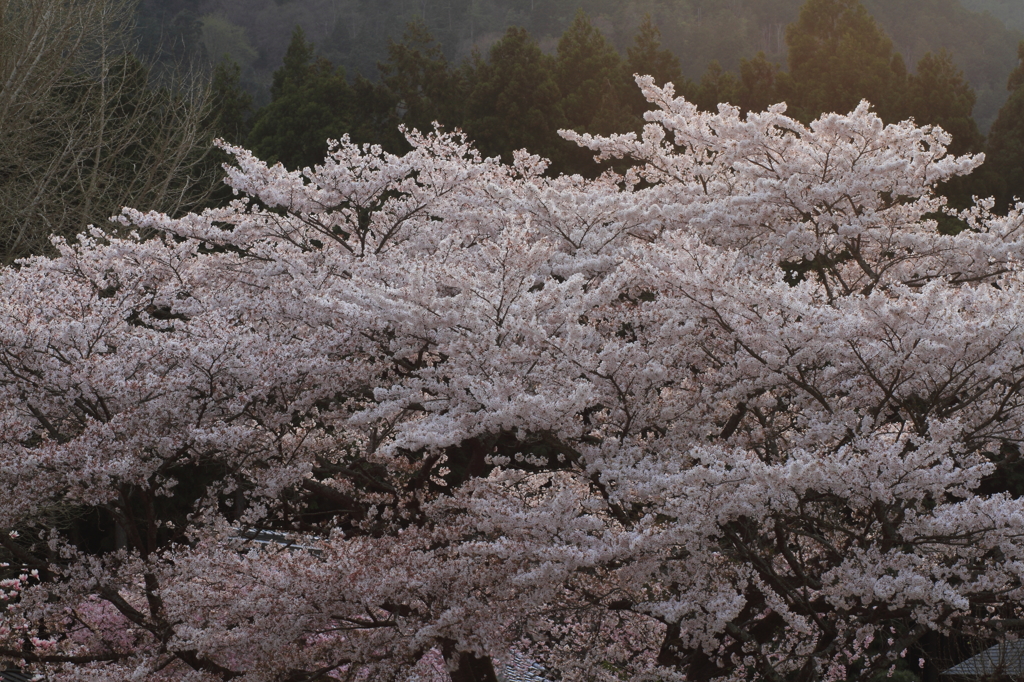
(82, 132)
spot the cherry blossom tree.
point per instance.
(742, 412)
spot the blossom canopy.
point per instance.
(740, 411)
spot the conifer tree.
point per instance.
(1004, 167)
(515, 102)
(838, 55)
(647, 56)
(588, 66)
(231, 105)
(938, 94)
(375, 116)
(311, 102)
(418, 79)
(762, 84)
(230, 119)
(295, 68)
(716, 86)
(590, 78)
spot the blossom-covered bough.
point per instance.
(742, 412)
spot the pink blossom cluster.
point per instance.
(740, 411)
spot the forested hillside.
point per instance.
(289, 75)
(364, 69)
(355, 35)
(1011, 12)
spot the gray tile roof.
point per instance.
(519, 668)
(14, 676)
(1003, 659)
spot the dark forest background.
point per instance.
(281, 77)
(981, 35)
(289, 74)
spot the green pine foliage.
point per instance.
(1004, 165)
(357, 34)
(515, 102)
(762, 84)
(647, 56)
(717, 86)
(375, 117)
(588, 71)
(513, 95)
(231, 105)
(1016, 79)
(838, 55)
(937, 93)
(230, 119)
(980, 43)
(311, 102)
(420, 82)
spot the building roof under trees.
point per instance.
(519, 668)
(1006, 658)
(14, 676)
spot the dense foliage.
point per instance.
(741, 413)
(1009, 11)
(356, 35)
(514, 95)
(742, 400)
(1005, 170)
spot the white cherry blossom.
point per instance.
(740, 413)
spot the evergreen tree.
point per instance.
(938, 94)
(230, 118)
(587, 67)
(1004, 165)
(716, 86)
(1016, 79)
(762, 84)
(838, 55)
(589, 74)
(647, 57)
(984, 47)
(295, 67)
(418, 79)
(375, 118)
(311, 102)
(231, 105)
(614, 114)
(514, 103)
